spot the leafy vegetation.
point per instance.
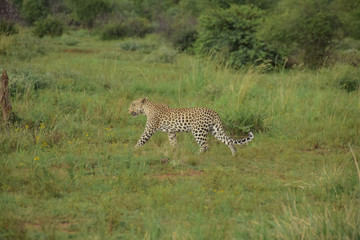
(239, 32)
(309, 25)
(7, 27)
(50, 26)
(231, 35)
(134, 27)
(68, 168)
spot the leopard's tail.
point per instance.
(244, 140)
(219, 133)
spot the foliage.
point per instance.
(184, 39)
(133, 27)
(49, 26)
(20, 46)
(138, 45)
(231, 35)
(262, 4)
(24, 82)
(7, 27)
(86, 11)
(34, 10)
(350, 81)
(348, 12)
(69, 170)
(307, 26)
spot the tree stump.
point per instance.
(5, 97)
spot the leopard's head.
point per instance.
(137, 107)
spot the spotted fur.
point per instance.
(198, 121)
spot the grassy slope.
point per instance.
(69, 170)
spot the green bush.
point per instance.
(49, 27)
(7, 27)
(135, 45)
(22, 47)
(350, 81)
(348, 12)
(230, 34)
(244, 120)
(34, 10)
(86, 11)
(303, 28)
(184, 38)
(133, 27)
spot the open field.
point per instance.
(68, 168)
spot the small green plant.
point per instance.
(138, 45)
(7, 27)
(22, 82)
(162, 55)
(244, 120)
(49, 27)
(71, 42)
(350, 81)
(22, 47)
(133, 27)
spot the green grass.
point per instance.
(68, 168)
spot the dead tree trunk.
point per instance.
(5, 97)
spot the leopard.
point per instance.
(200, 121)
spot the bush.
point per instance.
(350, 81)
(50, 26)
(7, 27)
(134, 27)
(86, 11)
(305, 28)
(230, 34)
(34, 10)
(184, 38)
(244, 120)
(22, 47)
(135, 45)
(23, 82)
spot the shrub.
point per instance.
(133, 27)
(34, 10)
(184, 39)
(230, 34)
(7, 27)
(23, 82)
(305, 28)
(50, 26)
(86, 11)
(22, 47)
(244, 120)
(350, 81)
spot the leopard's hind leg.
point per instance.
(200, 137)
(172, 139)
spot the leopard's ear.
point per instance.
(144, 100)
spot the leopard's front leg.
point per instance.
(148, 132)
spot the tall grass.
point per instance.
(68, 168)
